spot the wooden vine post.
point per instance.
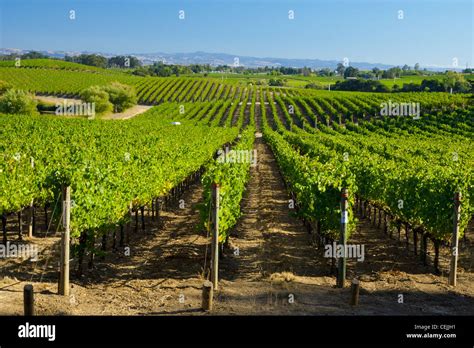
(355, 286)
(65, 240)
(455, 240)
(341, 277)
(158, 205)
(136, 220)
(415, 240)
(28, 300)
(122, 235)
(360, 206)
(31, 219)
(46, 222)
(4, 228)
(142, 210)
(20, 225)
(129, 224)
(207, 295)
(31, 215)
(215, 235)
(153, 209)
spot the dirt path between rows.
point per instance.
(160, 274)
(278, 270)
(60, 100)
(271, 267)
(125, 115)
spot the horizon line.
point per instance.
(228, 54)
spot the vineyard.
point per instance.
(140, 174)
(68, 79)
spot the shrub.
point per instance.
(121, 96)
(4, 86)
(360, 85)
(95, 94)
(313, 85)
(18, 102)
(275, 82)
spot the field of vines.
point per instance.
(323, 141)
(411, 168)
(111, 167)
(68, 79)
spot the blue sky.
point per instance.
(432, 32)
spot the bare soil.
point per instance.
(271, 266)
(129, 113)
(125, 115)
(52, 99)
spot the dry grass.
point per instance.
(282, 277)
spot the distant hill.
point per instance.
(50, 64)
(215, 59)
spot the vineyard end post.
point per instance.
(455, 240)
(355, 285)
(65, 241)
(31, 215)
(207, 296)
(28, 300)
(215, 235)
(342, 239)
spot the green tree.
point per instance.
(124, 62)
(351, 72)
(325, 72)
(306, 71)
(175, 70)
(397, 71)
(121, 96)
(275, 82)
(95, 94)
(33, 55)
(376, 72)
(340, 69)
(366, 75)
(88, 59)
(455, 81)
(392, 73)
(15, 101)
